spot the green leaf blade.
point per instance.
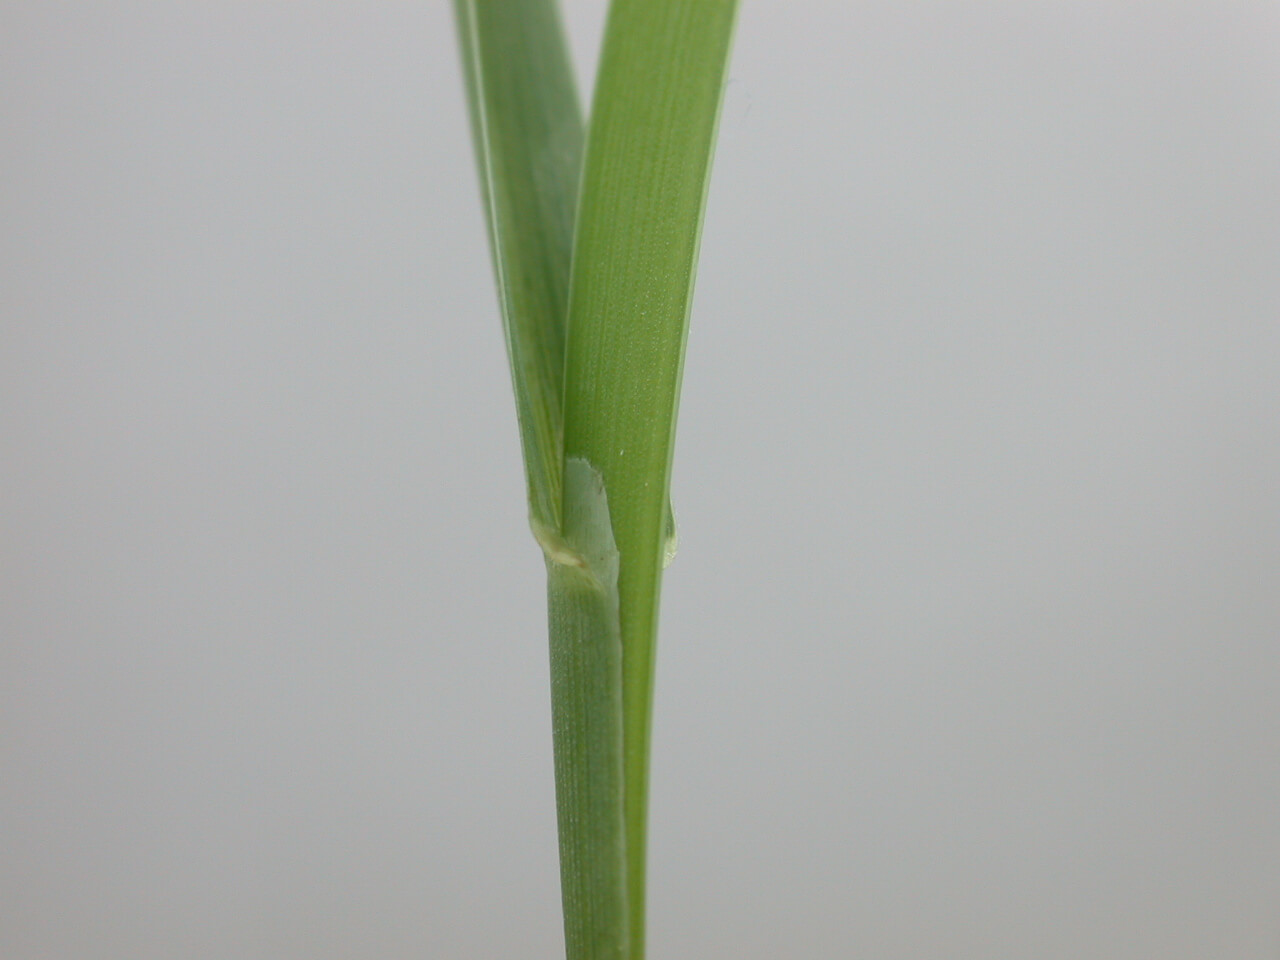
(528, 136)
(528, 133)
(645, 178)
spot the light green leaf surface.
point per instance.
(528, 134)
(528, 137)
(648, 156)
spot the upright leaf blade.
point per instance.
(528, 135)
(648, 155)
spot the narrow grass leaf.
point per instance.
(528, 136)
(648, 156)
(528, 133)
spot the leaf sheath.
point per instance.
(528, 136)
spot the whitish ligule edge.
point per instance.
(587, 505)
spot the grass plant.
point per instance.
(595, 232)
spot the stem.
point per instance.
(586, 712)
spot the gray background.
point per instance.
(971, 649)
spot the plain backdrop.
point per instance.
(972, 649)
